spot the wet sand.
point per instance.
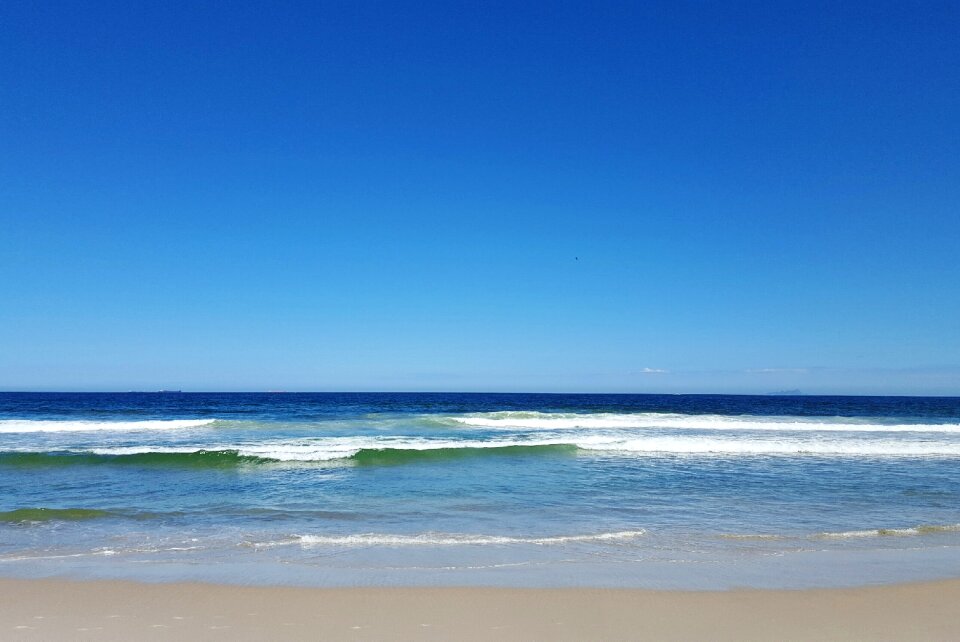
(111, 610)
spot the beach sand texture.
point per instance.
(110, 610)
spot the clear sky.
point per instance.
(623, 197)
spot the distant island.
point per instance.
(785, 393)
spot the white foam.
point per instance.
(333, 448)
(29, 425)
(323, 449)
(796, 446)
(341, 448)
(567, 421)
(457, 539)
(279, 452)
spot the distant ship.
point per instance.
(168, 391)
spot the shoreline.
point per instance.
(55, 609)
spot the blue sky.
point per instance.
(624, 197)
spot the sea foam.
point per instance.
(388, 450)
(458, 539)
(29, 425)
(568, 421)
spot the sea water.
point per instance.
(662, 491)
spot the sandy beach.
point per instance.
(109, 610)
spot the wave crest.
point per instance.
(34, 425)
(409, 450)
(571, 421)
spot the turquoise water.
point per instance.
(538, 490)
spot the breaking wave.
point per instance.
(607, 421)
(234, 457)
(30, 425)
(407, 450)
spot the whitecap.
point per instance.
(653, 420)
(31, 425)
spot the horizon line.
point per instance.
(465, 392)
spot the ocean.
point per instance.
(363, 489)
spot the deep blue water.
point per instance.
(519, 489)
(306, 406)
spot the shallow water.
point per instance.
(678, 491)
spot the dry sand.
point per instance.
(65, 610)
